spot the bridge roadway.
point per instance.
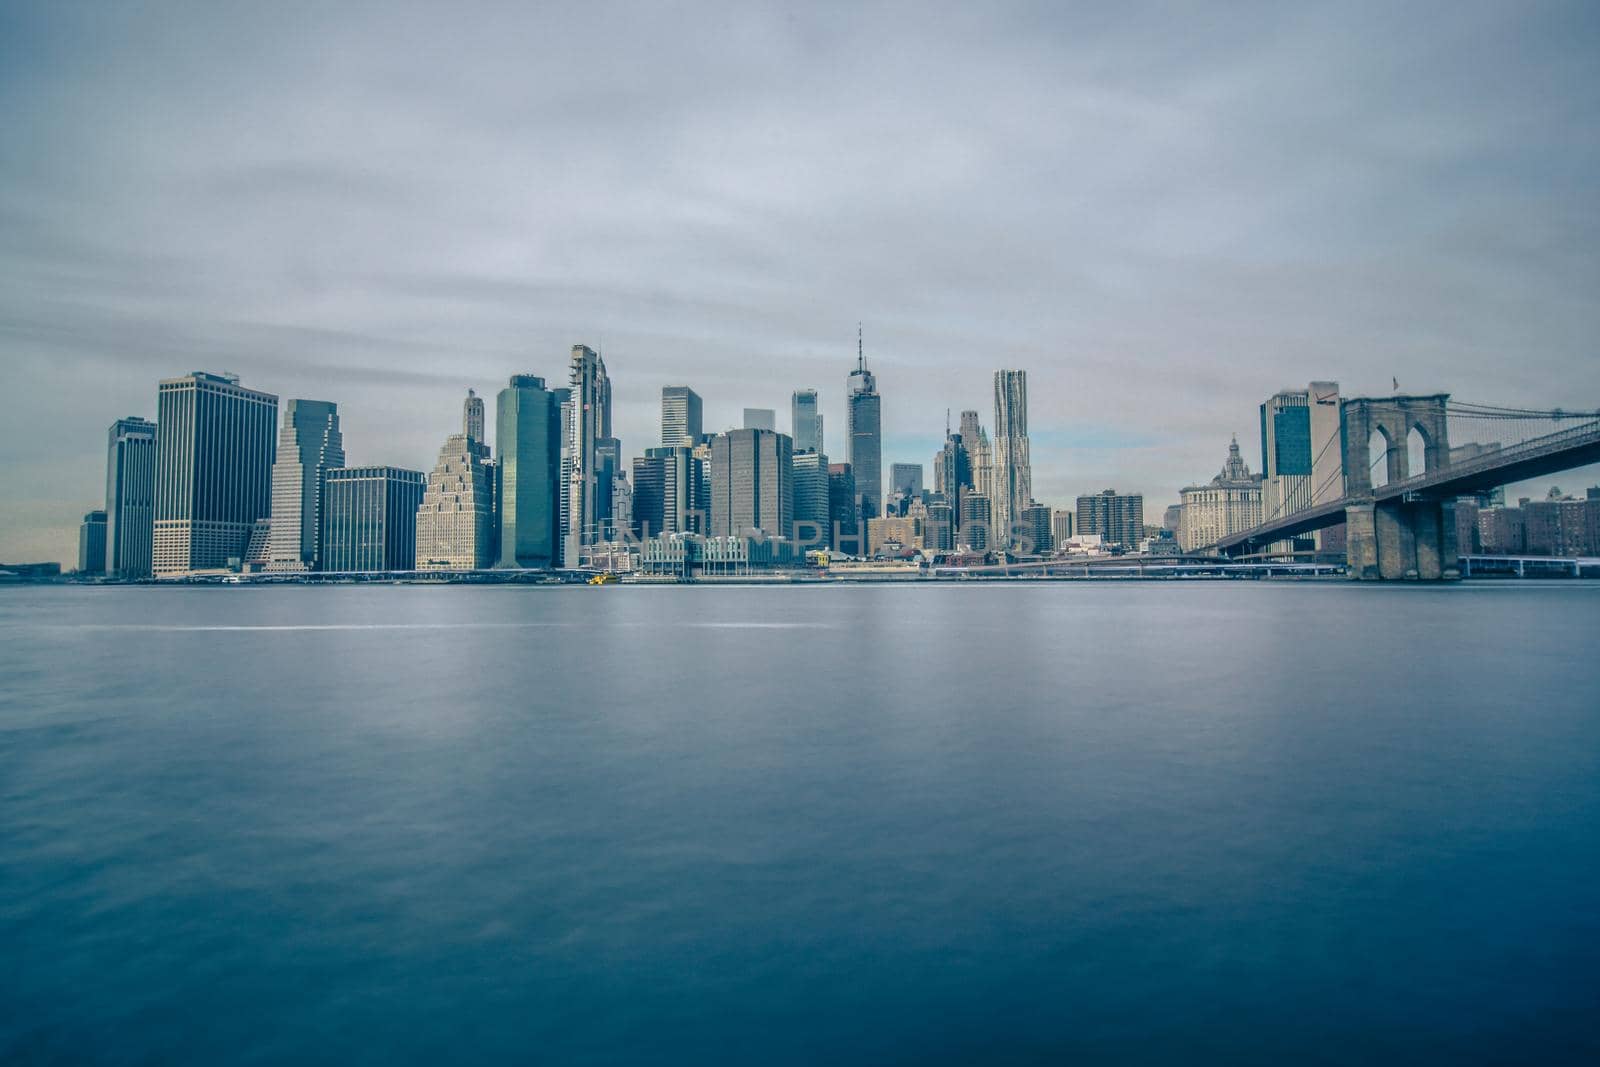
(1576, 446)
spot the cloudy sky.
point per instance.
(1162, 212)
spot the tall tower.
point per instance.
(865, 417)
(215, 446)
(528, 434)
(980, 456)
(752, 484)
(680, 416)
(308, 446)
(1013, 474)
(586, 453)
(130, 496)
(472, 419)
(806, 421)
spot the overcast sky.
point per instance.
(1164, 213)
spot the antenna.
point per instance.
(861, 356)
(947, 422)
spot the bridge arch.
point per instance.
(1379, 447)
(1392, 420)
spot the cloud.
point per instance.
(1163, 212)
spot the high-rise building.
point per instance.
(1060, 528)
(621, 507)
(761, 419)
(980, 455)
(1228, 504)
(1013, 472)
(669, 494)
(864, 411)
(1116, 518)
(370, 518)
(309, 443)
(844, 510)
(977, 519)
(1037, 536)
(130, 497)
(752, 484)
(952, 472)
(806, 421)
(1302, 458)
(215, 446)
(812, 520)
(587, 456)
(939, 530)
(455, 522)
(92, 544)
(680, 416)
(906, 479)
(472, 421)
(528, 473)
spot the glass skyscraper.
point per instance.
(130, 497)
(586, 454)
(528, 436)
(370, 519)
(812, 523)
(752, 484)
(308, 445)
(215, 446)
(680, 416)
(864, 411)
(806, 421)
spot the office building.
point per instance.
(472, 422)
(812, 519)
(806, 421)
(130, 497)
(680, 417)
(1037, 536)
(980, 454)
(752, 484)
(952, 472)
(1013, 471)
(905, 480)
(1228, 504)
(371, 518)
(1113, 517)
(588, 457)
(977, 519)
(309, 444)
(939, 528)
(761, 419)
(844, 510)
(456, 519)
(621, 508)
(92, 544)
(215, 446)
(864, 416)
(528, 473)
(669, 494)
(1060, 528)
(1302, 458)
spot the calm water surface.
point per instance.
(1148, 823)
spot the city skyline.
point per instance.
(1186, 245)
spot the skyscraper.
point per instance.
(1117, 518)
(980, 456)
(752, 484)
(587, 457)
(952, 472)
(92, 544)
(760, 419)
(1013, 474)
(308, 445)
(977, 519)
(864, 413)
(680, 416)
(1037, 534)
(812, 521)
(905, 479)
(215, 446)
(806, 421)
(130, 497)
(844, 510)
(472, 423)
(528, 473)
(667, 492)
(371, 518)
(1302, 458)
(455, 522)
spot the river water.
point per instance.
(1093, 822)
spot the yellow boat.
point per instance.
(602, 579)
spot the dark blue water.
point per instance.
(1145, 823)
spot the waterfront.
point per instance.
(1139, 822)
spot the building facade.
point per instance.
(864, 414)
(1228, 504)
(752, 484)
(980, 454)
(681, 422)
(844, 512)
(130, 497)
(812, 519)
(216, 442)
(669, 492)
(456, 519)
(977, 520)
(1302, 460)
(588, 456)
(1114, 517)
(761, 419)
(1060, 528)
(92, 543)
(806, 421)
(309, 444)
(528, 473)
(371, 518)
(1037, 535)
(1013, 470)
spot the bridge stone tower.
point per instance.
(1406, 535)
